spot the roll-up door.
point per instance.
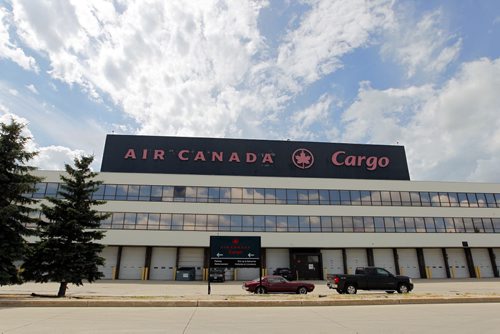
(457, 263)
(332, 261)
(110, 255)
(247, 274)
(132, 262)
(277, 258)
(192, 257)
(384, 257)
(434, 263)
(356, 258)
(408, 262)
(162, 263)
(482, 262)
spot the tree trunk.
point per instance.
(62, 289)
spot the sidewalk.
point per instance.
(195, 294)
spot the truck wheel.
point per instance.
(260, 290)
(403, 288)
(351, 289)
(302, 290)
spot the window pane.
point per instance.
(429, 224)
(236, 223)
(270, 196)
(434, 199)
(488, 226)
(369, 224)
(236, 195)
(259, 195)
(98, 194)
(376, 198)
(337, 224)
(156, 193)
(355, 197)
(313, 196)
(405, 198)
(490, 199)
(121, 192)
(469, 227)
(443, 198)
(133, 193)
(386, 198)
(496, 224)
(293, 224)
(129, 222)
(304, 224)
(395, 198)
(177, 221)
(419, 224)
(379, 224)
(324, 197)
(212, 222)
(224, 223)
(165, 221)
(280, 196)
(213, 195)
(281, 224)
(345, 197)
(247, 223)
(415, 199)
(481, 200)
(247, 195)
(110, 191)
(450, 225)
(144, 193)
(440, 227)
(189, 222)
(191, 194)
(154, 221)
(202, 194)
(348, 224)
(303, 196)
(478, 225)
(271, 223)
(291, 196)
(117, 222)
(358, 224)
(258, 223)
(389, 224)
(51, 189)
(326, 224)
(142, 221)
(459, 225)
(315, 222)
(425, 199)
(453, 199)
(410, 224)
(334, 197)
(201, 223)
(400, 224)
(168, 194)
(462, 199)
(472, 200)
(225, 195)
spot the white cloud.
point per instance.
(54, 157)
(421, 47)
(9, 49)
(303, 120)
(13, 92)
(450, 133)
(193, 67)
(32, 89)
(328, 32)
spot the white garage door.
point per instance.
(192, 257)
(482, 262)
(247, 274)
(434, 263)
(162, 263)
(384, 257)
(332, 261)
(277, 258)
(110, 255)
(408, 262)
(132, 262)
(356, 258)
(457, 263)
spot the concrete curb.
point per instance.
(239, 303)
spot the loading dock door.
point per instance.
(408, 262)
(356, 258)
(332, 261)
(162, 264)
(110, 255)
(384, 257)
(247, 274)
(457, 263)
(192, 257)
(277, 258)
(482, 262)
(132, 262)
(434, 263)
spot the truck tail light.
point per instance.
(336, 280)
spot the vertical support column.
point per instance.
(493, 260)
(206, 264)
(446, 263)
(421, 263)
(396, 260)
(118, 262)
(370, 257)
(344, 260)
(470, 262)
(147, 262)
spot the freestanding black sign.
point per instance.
(211, 156)
(234, 252)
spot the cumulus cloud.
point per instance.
(328, 31)
(193, 67)
(421, 47)
(9, 49)
(303, 120)
(450, 133)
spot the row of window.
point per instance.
(257, 223)
(110, 192)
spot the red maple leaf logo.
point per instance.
(235, 241)
(302, 158)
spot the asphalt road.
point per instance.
(450, 318)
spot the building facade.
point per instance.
(319, 208)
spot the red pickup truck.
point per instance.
(369, 278)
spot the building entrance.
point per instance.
(307, 266)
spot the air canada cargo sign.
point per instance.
(209, 156)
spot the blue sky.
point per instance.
(423, 74)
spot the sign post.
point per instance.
(234, 252)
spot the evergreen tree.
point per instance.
(66, 251)
(15, 207)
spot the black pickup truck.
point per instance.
(369, 278)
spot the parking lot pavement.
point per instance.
(198, 289)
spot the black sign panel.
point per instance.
(209, 156)
(234, 251)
